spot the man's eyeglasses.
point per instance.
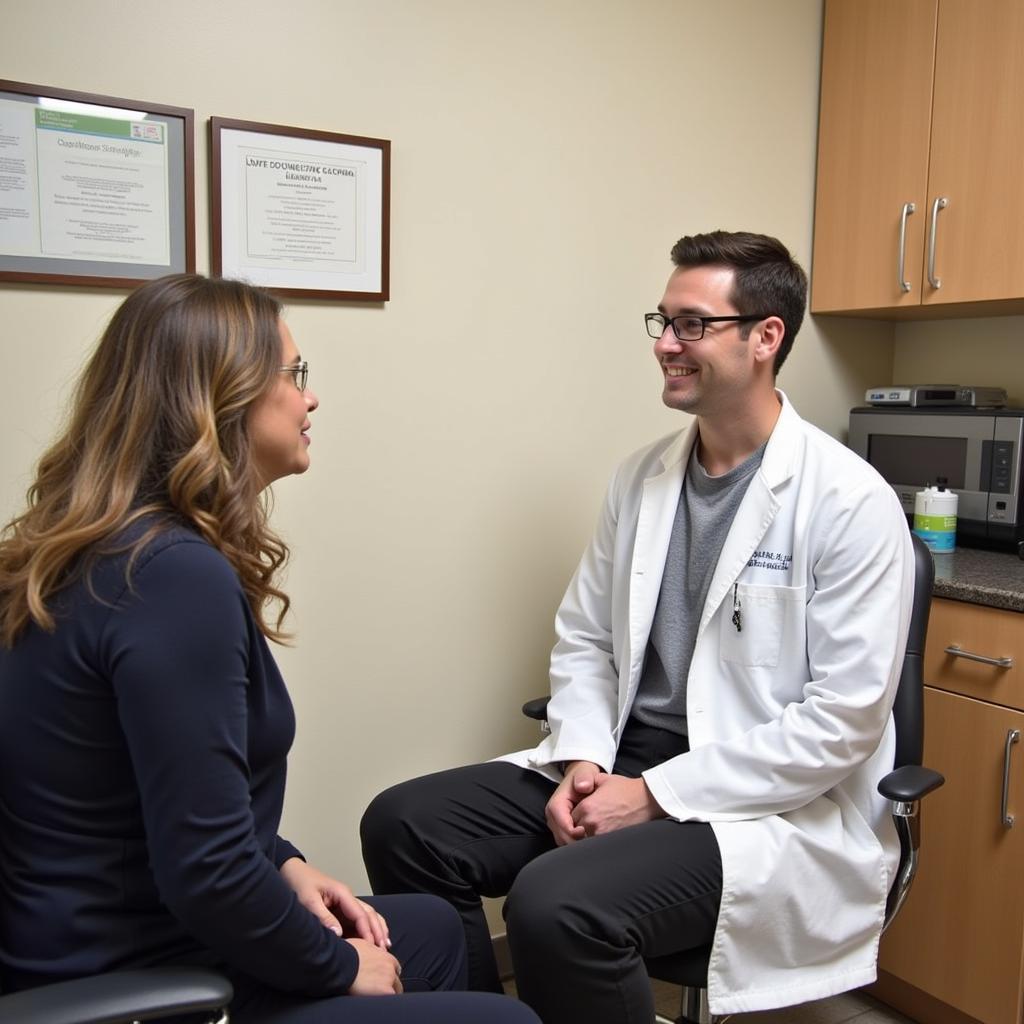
(690, 327)
(299, 372)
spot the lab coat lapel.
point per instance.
(650, 549)
(757, 510)
(753, 518)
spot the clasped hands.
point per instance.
(332, 903)
(590, 802)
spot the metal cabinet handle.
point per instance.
(908, 209)
(1012, 736)
(956, 652)
(940, 204)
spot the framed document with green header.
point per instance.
(303, 212)
(94, 190)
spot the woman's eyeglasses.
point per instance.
(299, 372)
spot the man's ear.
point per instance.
(770, 333)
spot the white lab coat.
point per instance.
(789, 717)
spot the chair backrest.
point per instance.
(908, 708)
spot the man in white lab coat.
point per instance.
(728, 652)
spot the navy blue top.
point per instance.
(142, 773)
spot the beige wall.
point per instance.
(984, 352)
(546, 154)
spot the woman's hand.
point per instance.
(331, 902)
(379, 973)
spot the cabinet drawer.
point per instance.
(989, 632)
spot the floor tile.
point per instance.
(850, 1007)
(882, 1015)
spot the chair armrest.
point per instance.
(118, 997)
(909, 783)
(537, 709)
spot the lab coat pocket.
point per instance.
(754, 620)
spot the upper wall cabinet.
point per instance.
(920, 194)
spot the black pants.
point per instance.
(427, 940)
(580, 918)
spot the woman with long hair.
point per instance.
(144, 725)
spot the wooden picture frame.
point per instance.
(302, 212)
(94, 190)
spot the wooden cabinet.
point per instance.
(960, 938)
(922, 101)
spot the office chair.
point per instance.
(122, 997)
(905, 786)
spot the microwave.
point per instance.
(978, 451)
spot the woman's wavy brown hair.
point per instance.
(157, 428)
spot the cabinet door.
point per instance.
(977, 151)
(876, 95)
(960, 935)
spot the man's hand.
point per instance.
(616, 802)
(580, 781)
(331, 902)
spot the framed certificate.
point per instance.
(94, 190)
(302, 212)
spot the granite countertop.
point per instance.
(993, 578)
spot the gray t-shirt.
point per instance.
(707, 506)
